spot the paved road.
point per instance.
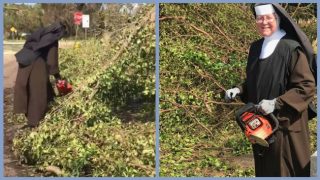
(10, 65)
(10, 70)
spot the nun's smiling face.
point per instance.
(266, 24)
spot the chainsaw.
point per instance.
(63, 87)
(256, 127)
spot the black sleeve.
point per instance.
(52, 59)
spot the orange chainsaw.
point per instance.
(256, 127)
(63, 87)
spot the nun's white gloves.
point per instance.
(231, 93)
(267, 106)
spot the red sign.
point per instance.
(77, 18)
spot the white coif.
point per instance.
(270, 43)
(264, 9)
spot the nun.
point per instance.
(37, 60)
(280, 81)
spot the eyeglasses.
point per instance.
(267, 19)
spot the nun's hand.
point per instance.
(267, 106)
(231, 93)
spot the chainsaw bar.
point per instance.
(257, 140)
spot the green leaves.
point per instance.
(133, 77)
(203, 52)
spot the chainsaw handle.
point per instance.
(276, 122)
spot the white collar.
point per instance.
(270, 43)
